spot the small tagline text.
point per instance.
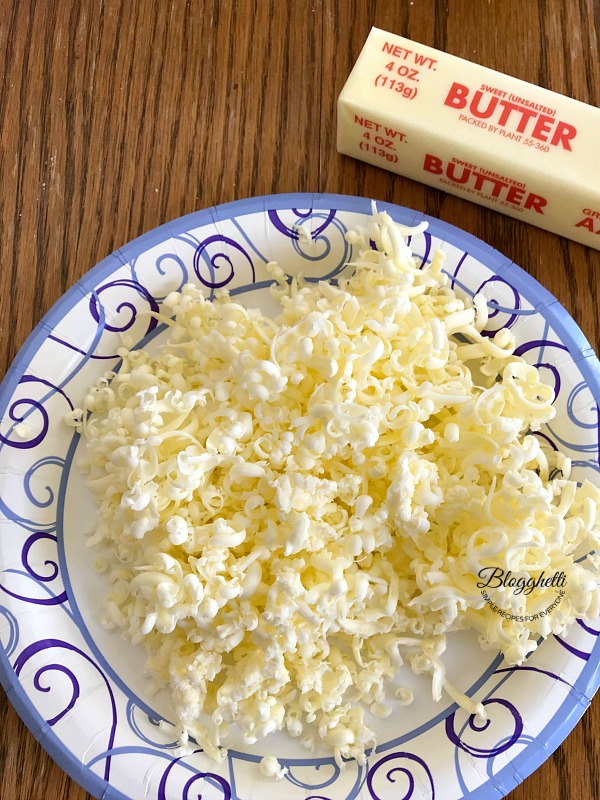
(524, 617)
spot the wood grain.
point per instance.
(116, 116)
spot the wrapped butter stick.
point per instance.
(476, 133)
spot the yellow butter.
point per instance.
(476, 133)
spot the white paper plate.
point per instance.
(81, 691)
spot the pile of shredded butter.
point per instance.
(292, 508)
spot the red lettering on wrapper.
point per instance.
(563, 134)
(542, 126)
(588, 223)
(515, 195)
(508, 108)
(491, 106)
(452, 173)
(484, 181)
(396, 50)
(536, 202)
(521, 116)
(457, 96)
(433, 164)
(366, 123)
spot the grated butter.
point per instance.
(290, 509)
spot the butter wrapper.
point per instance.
(476, 133)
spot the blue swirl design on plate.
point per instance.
(19, 417)
(118, 318)
(42, 531)
(509, 734)
(503, 313)
(327, 223)
(229, 249)
(164, 264)
(49, 598)
(587, 628)
(494, 283)
(31, 413)
(36, 580)
(457, 269)
(45, 521)
(10, 645)
(580, 415)
(52, 565)
(579, 652)
(543, 363)
(167, 263)
(32, 405)
(57, 644)
(210, 777)
(325, 245)
(316, 784)
(215, 253)
(151, 722)
(536, 670)
(125, 306)
(301, 216)
(403, 763)
(55, 461)
(479, 726)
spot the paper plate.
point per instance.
(81, 690)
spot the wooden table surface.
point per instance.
(117, 115)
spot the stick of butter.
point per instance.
(474, 132)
